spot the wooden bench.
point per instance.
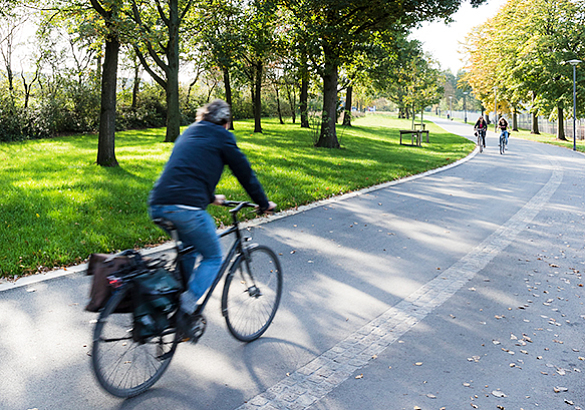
(415, 137)
(423, 129)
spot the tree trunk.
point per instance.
(328, 136)
(98, 70)
(172, 91)
(258, 98)
(278, 104)
(348, 104)
(292, 102)
(253, 96)
(534, 124)
(136, 86)
(515, 120)
(106, 155)
(304, 97)
(228, 94)
(561, 124)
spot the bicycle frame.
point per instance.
(235, 249)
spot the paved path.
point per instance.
(452, 290)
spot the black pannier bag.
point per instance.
(155, 296)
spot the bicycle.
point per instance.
(502, 142)
(480, 140)
(251, 294)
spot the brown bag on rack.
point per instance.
(100, 267)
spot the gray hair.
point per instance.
(217, 112)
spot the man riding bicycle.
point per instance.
(481, 128)
(187, 186)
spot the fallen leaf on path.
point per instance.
(560, 389)
(359, 376)
(499, 393)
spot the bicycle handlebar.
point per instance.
(238, 205)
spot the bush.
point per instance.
(10, 121)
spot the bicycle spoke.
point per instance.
(124, 367)
(250, 305)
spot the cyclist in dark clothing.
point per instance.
(187, 186)
(503, 126)
(481, 128)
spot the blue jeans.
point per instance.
(506, 134)
(195, 228)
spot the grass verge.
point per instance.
(548, 139)
(58, 207)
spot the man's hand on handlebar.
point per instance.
(219, 200)
(271, 208)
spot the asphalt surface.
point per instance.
(461, 289)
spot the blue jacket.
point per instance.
(195, 167)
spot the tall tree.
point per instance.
(160, 26)
(260, 19)
(338, 25)
(221, 37)
(109, 10)
(519, 51)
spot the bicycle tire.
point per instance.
(123, 367)
(480, 143)
(251, 293)
(502, 145)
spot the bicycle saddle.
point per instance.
(165, 224)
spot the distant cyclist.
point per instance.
(481, 128)
(503, 126)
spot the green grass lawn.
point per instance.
(548, 139)
(57, 206)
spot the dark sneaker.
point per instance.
(190, 327)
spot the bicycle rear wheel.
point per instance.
(123, 367)
(251, 293)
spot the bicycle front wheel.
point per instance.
(124, 367)
(502, 145)
(251, 293)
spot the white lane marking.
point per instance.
(320, 376)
